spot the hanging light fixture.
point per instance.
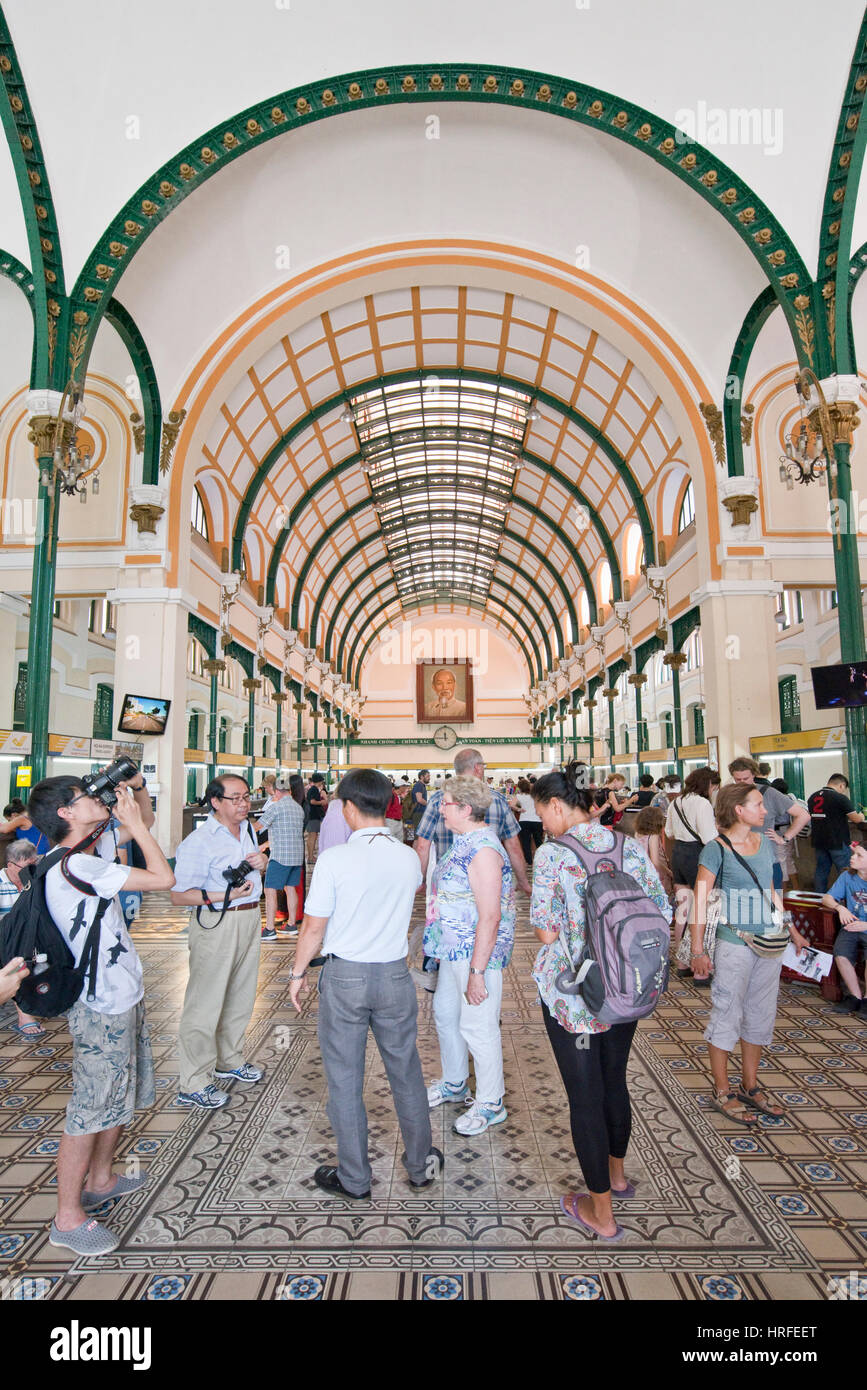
(70, 465)
(798, 464)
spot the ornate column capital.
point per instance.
(147, 511)
(214, 666)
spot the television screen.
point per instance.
(836, 687)
(143, 714)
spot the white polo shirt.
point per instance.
(366, 888)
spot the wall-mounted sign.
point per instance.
(15, 741)
(23, 775)
(805, 741)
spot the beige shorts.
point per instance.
(743, 997)
(112, 1068)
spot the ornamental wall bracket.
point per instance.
(741, 507)
(171, 430)
(138, 431)
(747, 423)
(715, 428)
(146, 515)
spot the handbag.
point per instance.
(686, 851)
(714, 919)
(770, 945)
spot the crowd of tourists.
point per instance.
(701, 871)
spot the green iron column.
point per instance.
(328, 723)
(847, 573)
(316, 736)
(251, 685)
(213, 667)
(279, 700)
(611, 742)
(574, 732)
(299, 710)
(675, 660)
(42, 434)
(590, 706)
(639, 721)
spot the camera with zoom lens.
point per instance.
(238, 875)
(102, 786)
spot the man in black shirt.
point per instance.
(646, 792)
(317, 805)
(831, 814)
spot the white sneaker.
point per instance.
(440, 1093)
(480, 1118)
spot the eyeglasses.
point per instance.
(245, 797)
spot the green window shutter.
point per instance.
(193, 729)
(790, 705)
(667, 730)
(223, 734)
(103, 712)
(20, 706)
(698, 725)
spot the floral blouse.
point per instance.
(558, 905)
(450, 929)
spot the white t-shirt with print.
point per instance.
(119, 983)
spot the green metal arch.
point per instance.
(831, 297)
(365, 503)
(203, 632)
(50, 305)
(756, 317)
(683, 626)
(420, 84)
(857, 266)
(152, 412)
(329, 635)
(495, 579)
(358, 665)
(581, 421)
(241, 655)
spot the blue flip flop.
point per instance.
(569, 1208)
(625, 1192)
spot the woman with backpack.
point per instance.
(746, 954)
(590, 1055)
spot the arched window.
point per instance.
(633, 551)
(687, 510)
(693, 651)
(198, 518)
(194, 728)
(584, 609)
(196, 657)
(697, 724)
(623, 689)
(604, 582)
(101, 618)
(663, 672)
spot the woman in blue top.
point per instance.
(470, 930)
(745, 986)
(591, 1056)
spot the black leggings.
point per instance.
(530, 832)
(595, 1081)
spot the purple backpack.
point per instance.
(623, 969)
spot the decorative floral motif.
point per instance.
(720, 1288)
(305, 1288)
(9, 1244)
(746, 1146)
(583, 1287)
(166, 1287)
(819, 1172)
(843, 1145)
(794, 1204)
(443, 1286)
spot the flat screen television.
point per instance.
(839, 687)
(143, 714)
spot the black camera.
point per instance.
(102, 786)
(241, 872)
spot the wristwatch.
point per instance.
(474, 971)
(297, 977)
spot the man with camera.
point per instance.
(218, 874)
(112, 1068)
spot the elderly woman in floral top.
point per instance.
(470, 929)
(592, 1056)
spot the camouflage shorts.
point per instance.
(112, 1068)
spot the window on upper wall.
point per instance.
(101, 618)
(793, 609)
(198, 518)
(222, 734)
(693, 651)
(604, 583)
(584, 609)
(687, 510)
(634, 549)
(667, 727)
(663, 672)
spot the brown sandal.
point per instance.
(749, 1098)
(741, 1116)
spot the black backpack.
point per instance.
(28, 929)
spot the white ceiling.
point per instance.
(182, 68)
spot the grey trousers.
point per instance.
(355, 997)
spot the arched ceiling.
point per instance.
(472, 419)
(219, 57)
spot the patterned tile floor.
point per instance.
(231, 1211)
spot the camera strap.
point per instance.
(209, 926)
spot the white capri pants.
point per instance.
(743, 997)
(464, 1028)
